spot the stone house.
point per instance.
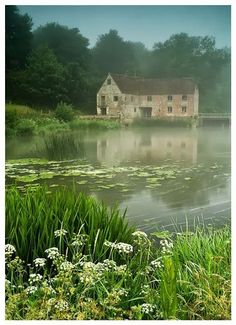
(132, 97)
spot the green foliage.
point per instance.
(62, 146)
(18, 37)
(64, 112)
(32, 218)
(138, 281)
(25, 127)
(163, 122)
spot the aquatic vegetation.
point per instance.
(80, 124)
(33, 217)
(192, 282)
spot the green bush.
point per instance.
(11, 119)
(64, 112)
(25, 127)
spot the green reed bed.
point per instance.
(32, 218)
(99, 268)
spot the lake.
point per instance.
(163, 176)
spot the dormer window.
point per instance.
(109, 81)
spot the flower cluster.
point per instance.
(166, 246)
(147, 308)
(62, 305)
(66, 266)
(9, 250)
(35, 278)
(156, 264)
(120, 247)
(59, 233)
(31, 290)
(52, 252)
(40, 262)
(79, 240)
(140, 238)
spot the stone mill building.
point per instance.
(133, 97)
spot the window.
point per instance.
(149, 98)
(132, 98)
(184, 97)
(135, 110)
(108, 81)
(115, 99)
(169, 109)
(184, 109)
(169, 98)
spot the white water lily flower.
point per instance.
(40, 262)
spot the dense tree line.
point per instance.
(54, 63)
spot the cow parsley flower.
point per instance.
(35, 278)
(31, 289)
(62, 305)
(124, 248)
(9, 250)
(66, 266)
(147, 308)
(167, 246)
(40, 262)
(60, 232)
(52, 252)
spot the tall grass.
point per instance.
(188, 278)
(62, 146)
(32, 218)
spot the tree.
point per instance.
(18, 38)
(112, 54)
(45, 79)
(67, 44)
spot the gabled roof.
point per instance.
(140, 86)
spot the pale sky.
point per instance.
(146, 24)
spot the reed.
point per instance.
(32, 218)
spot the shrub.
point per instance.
(64, 112)
(11, 119)
(25, 127)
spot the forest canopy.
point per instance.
(54, 63)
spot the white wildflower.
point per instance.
(109, 244)
(60, 232)
(166, 246)
(121, 269)
(156, 264)
(62, 305)
(109, 264)
(35, 278)
(66, 266)
(147, 308)
(40, 262)
(52, 252)
(9, 250)
(31, 289)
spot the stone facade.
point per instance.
(132, 97)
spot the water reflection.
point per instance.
(149, 146)
(158, 174)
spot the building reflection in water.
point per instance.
(147, 146)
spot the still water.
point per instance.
(161, 175)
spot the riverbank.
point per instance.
(86, 262)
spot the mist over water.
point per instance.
(162, 176)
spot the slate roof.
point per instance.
(140, 86)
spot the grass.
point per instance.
(163, 122)
(101, 269)
(24, 121)
(32, 218)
